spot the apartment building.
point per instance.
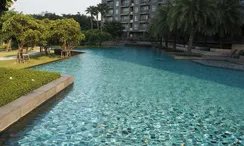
(134, 15)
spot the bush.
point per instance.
(96, 37)
(16, 83)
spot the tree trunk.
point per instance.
(101, 22)
(20, 58)
(26, 51)
(9, 45)
(46, 50)
(205, 40)
(166, 42)
(161, 42)
(174, 41)
(64, 50)
(91, 22)
(191, 39)
(97, 23)
(221, 42)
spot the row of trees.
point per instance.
(5, 5)
(28, 32)
(101, 9)
(189, 17)
(83, 20)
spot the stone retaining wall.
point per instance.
(17, 109)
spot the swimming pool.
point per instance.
(137, 96)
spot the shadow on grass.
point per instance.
(39, 56)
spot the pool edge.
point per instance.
(17, 109)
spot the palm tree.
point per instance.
(192, 15)
(96, 13)
(103, 10)
(159, 26)
(229, 18)
(91, 10)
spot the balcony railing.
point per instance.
(125, 4)
(125, 13)
(144, 11)
(144, 20)
(145, 2)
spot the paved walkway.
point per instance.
(14, 57)
(223, 64)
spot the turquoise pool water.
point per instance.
(128, 96)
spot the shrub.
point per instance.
(16, 83)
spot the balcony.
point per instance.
(142, 28)
(110, 14)
(145, 2)
(143, 20)
(144, 11)
(125, 13)
(124, 5)
(124, 20)
(162, 1)
(110, 5)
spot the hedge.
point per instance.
(16, 83)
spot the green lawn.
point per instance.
(3, 53)
(35, 60)
(15, 83)
(8, 54)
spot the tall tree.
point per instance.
(229, 18)
(103, 10)
(25, 29)
(46, 39)
(94, 37)
(192, 16)
(115, 28)
(67, 32)
(6, 36)
(159, 26)
(91, 10)
(96, 13)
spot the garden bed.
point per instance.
(16, 83)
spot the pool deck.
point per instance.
(221, 64)
(17, 109)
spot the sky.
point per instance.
(54, 6)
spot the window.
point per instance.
(154, 8)
(144, 17)
(125, 26)
(135, 26)
(136, 18)
(117, 11)
(145, 8)
(117, 3)
(125, 10)
(116, 18)
(110, 12)
(137, 1)
(125, 18)
(136, 9)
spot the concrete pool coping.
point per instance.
(17, 109)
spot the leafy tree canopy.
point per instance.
(115, 28)
(95, 36)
